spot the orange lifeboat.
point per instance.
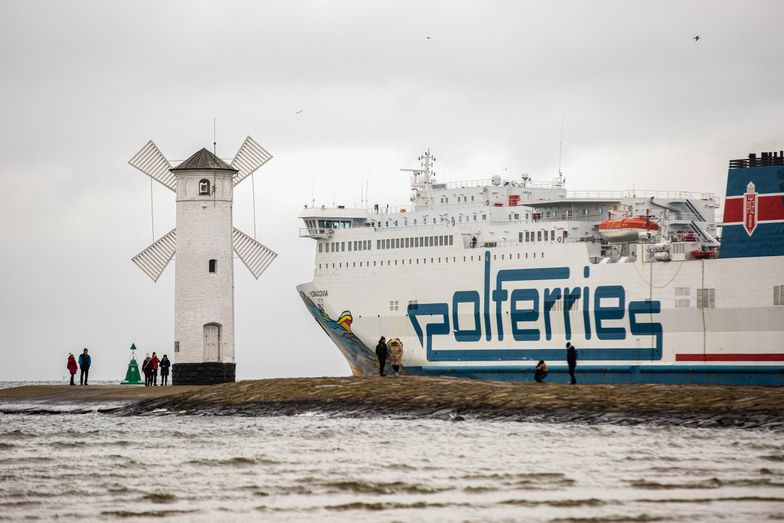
(626, 229)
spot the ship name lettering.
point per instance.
(604, 312)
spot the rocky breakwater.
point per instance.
(460, 399)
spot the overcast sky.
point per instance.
(85, 84)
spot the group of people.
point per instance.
(84, 365)
(150, 367)
(392, 351)
(540, 373)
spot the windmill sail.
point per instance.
(154, 259)
(250, 157)
(151, 161)
(254, 255)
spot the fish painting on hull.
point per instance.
(345, 320)
(361, 359)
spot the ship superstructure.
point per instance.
(484, 278)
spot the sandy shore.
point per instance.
(66, 393)
(448, 398)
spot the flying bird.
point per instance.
(697, 38)
(427, 37)
(299, 111)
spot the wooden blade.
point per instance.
(254, 255)
(151, 161)
(250, 157)
(157, 256)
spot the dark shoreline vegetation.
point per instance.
(453, 399)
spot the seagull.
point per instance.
(697, 38)
(299, 111)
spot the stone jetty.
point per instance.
(445, 398)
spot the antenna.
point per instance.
(560, 146)
(214, 136)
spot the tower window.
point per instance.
(204, 189)
(213, 265)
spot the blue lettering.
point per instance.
(471, 297)
(647, 329)
(520, 315)
(570, 297)
(550, 297)
(607, 312)
(429, 309)
(602, 313)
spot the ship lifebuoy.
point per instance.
(487, 202)
(560, 239)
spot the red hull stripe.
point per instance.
(768, 207)
(730, 357)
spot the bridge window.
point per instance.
(213, 265)
(204, 187)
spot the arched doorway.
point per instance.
(212, 342)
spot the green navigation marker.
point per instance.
(132, 376)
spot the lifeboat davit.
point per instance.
(626, 229)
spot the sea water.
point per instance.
(99, 466)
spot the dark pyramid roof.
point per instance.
(204, 160)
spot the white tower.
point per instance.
(204, 242)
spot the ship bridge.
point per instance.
(322, 222)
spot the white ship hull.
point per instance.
(493, 309)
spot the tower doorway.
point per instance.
(212, 342)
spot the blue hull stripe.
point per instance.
(597, 374)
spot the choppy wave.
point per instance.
(184, 468)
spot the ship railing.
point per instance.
(465, 184)
(670, 195)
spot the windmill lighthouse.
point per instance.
(204, 241)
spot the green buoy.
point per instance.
(132, 376)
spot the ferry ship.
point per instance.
(484, 278)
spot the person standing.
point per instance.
(155, 363)
(396, 355)
(147, 369)
(541, 371)
(164, 365)
(71, 366)
(382, 352)
(84, 365)
(571, 360)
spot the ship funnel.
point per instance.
(753, 223)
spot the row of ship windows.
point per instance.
(706, 298)
(530, 236)
(387, 243)
(358, 245)
(420, 241)
(415, 261)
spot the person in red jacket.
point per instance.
(155, 362)
(71, 366)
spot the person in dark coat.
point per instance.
(155, 363)
(571, 360)
(164, 366)
(71, 366)
(147, 370)
(382, 352)
(541, 371)
(84, 365)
